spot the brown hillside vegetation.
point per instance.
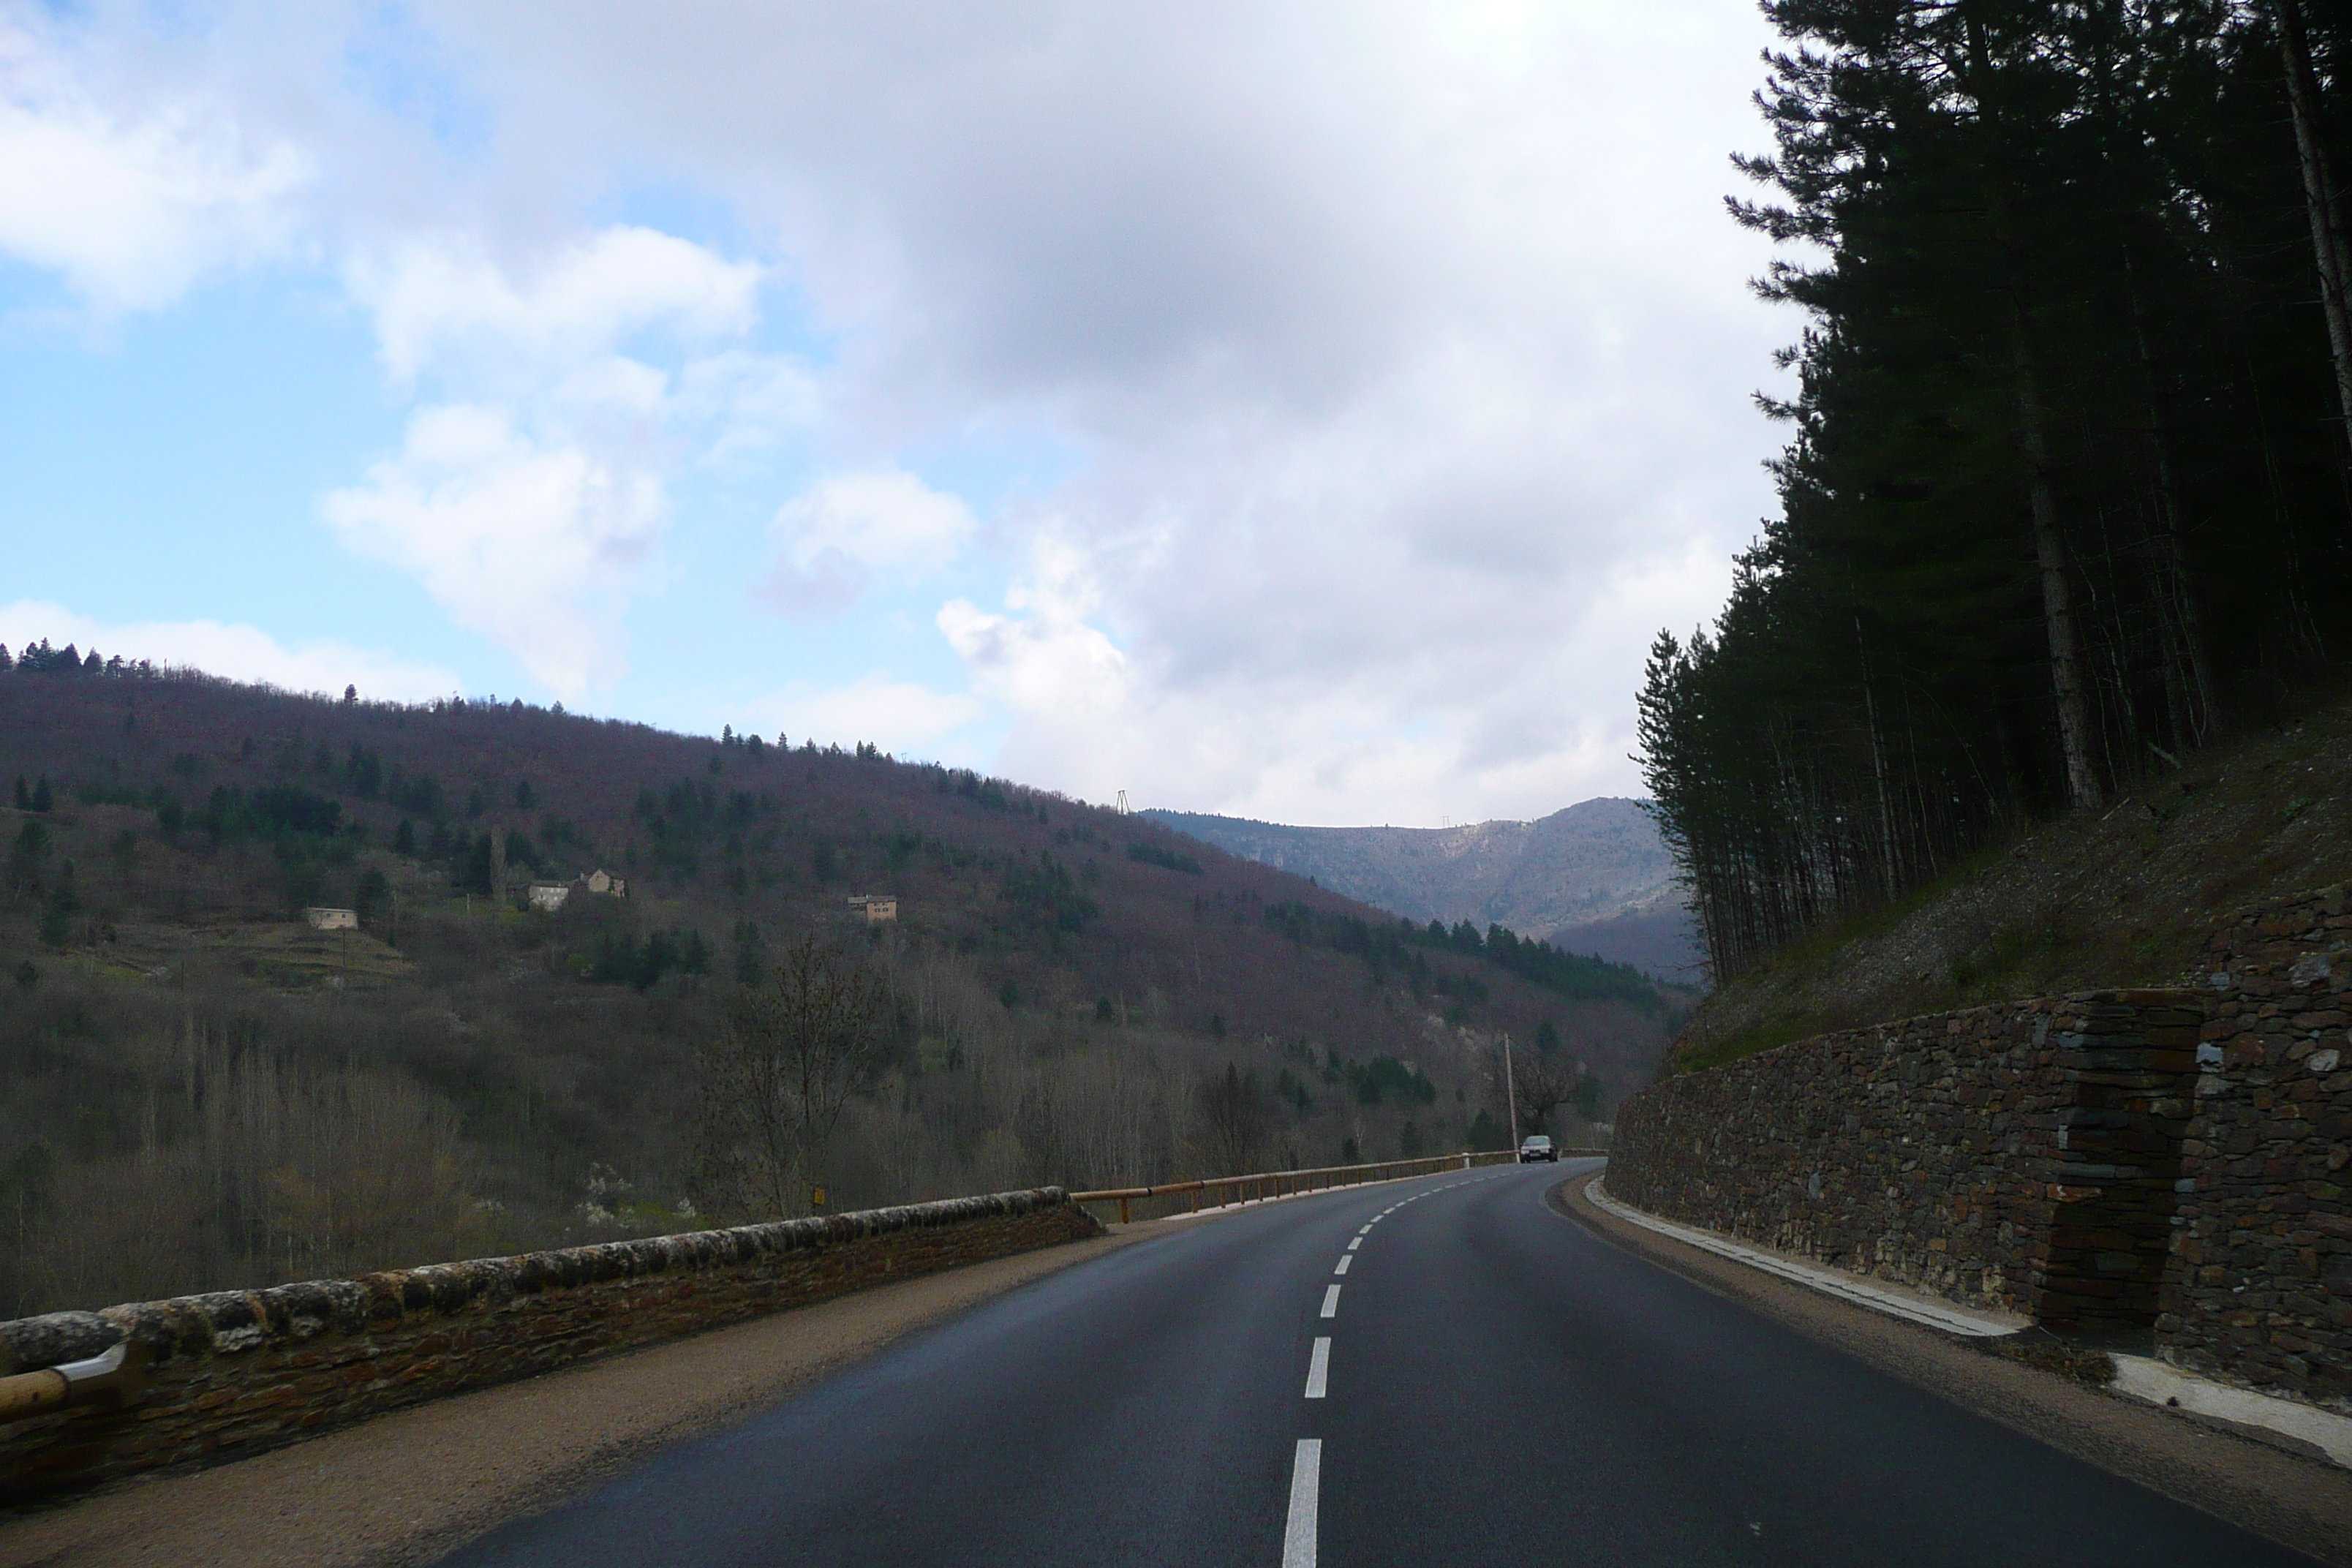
(2121, 896)
(197, 1090)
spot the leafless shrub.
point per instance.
(788, 1056)
(1231, 1119)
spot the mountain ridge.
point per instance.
(1590, 878)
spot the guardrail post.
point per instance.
(1122, 1211)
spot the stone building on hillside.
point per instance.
(549, 895)
(605, 885)
(874, 908)
(331, 920)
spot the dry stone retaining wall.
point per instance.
(2173, 1161)
(235, 1372)
(2019, 1157)
(2261, 1289)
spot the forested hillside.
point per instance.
(2065, 493)
(1592, 878)
(198, 1090)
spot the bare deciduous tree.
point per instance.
(791, 1052)
(1545, 1081)
(1231, 1119)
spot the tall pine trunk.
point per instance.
(2050, 558)
(2319, 197)
(2033, 444)
(2175, 594)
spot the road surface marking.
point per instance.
(1305, 1484)
(1345, 1259)
(1331, 1301)
(1364, 1230)
(1318, 1371)
(1357, 1241)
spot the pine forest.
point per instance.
(2064, 495)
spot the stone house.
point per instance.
(332, 919)
(605, 885)
(875, 907)
(549, 896)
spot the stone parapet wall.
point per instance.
(2261, 1289)
(2020, 1157)
(235, 1372)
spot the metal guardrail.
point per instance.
(1284, 1183)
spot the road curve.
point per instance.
(1442, 1371)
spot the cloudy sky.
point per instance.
(1302, 410)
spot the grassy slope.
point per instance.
(2120, 897)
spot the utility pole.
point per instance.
(1511, 1093)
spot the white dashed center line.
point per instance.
(1318, 1371)
(1306, 1486)
(1331, 1301)
(1345, 1259)
(1357, 1241)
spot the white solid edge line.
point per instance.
(1828, 1281)
(1331, 1301)
(1306, 1489)
(1318, 1368)
(1345, 1259)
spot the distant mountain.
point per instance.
(1591, 879)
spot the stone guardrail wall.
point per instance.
(2261, 1289)
(2169, 1159)
(2020, 1156)
(235, 1372)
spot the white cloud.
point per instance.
(897, 716)
(533, 543)
(1401, 345)
(237, 652)
(1519, 737)
(1044, 661)
(441, 303)
(532, 506)
(831, 540)
(132, 207)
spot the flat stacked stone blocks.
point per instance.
(2260, 1291)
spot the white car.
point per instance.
(1538, 1147)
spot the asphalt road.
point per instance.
(1493, 1384)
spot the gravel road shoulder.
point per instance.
(409, 1486)
(2301, 1503)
